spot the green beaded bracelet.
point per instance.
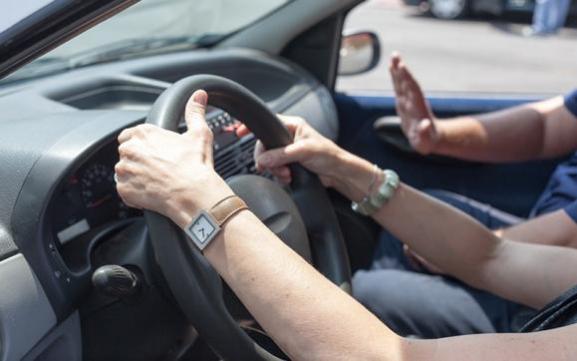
(373, 202)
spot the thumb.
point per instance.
(425, 136)
(281, 156)
(427, 129)
(195, 111)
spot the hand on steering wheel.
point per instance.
(151, 175)
(309, 148)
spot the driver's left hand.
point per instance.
(167, 172)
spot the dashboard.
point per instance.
(60, 215)
(59, 195)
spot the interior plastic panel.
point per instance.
(317, 109)
(116, 94)
(25, 312)
(64, 342)
(30, 233)
(7, 245)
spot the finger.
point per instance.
(395, 60)
(258, 150)
(284, 181)
(292, 123)
(242, 130)
(281, 172)
(396, 78)
(195, 111)
(194, 116)
(411, 85)
(282, 156)
(282, 175)
(125, 135)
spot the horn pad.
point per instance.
(275, 208)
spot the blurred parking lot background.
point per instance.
(474, 55)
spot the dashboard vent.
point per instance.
(236, 159)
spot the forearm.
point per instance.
(554, 229)
(532, 131)
(515, 134)
(308, 317)
(448, 238)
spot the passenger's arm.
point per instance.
(555, 229)
(532, 131)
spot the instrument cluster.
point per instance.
(88, 198)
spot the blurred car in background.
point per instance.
(455, 9)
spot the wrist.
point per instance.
(189, 202)
(439, 137)
(355, 176)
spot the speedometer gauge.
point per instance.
(97, 181)
(88, 199)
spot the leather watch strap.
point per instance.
(206, 225)
(226, 208)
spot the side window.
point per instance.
(466, 46)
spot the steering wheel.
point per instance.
(194, 283)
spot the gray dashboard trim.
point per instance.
(7, 245)
(28, 225)
(25, 313)
(64, 342)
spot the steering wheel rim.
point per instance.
(194, 283)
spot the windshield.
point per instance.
(149, 27)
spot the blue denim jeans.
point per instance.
(550, 15)
(413, 302)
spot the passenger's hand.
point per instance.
(167, 172)
(309, 148)
(417, 119)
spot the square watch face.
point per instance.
(202, 230)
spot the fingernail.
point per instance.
(200, 97)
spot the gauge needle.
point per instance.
(99, 202)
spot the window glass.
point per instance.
(477, 53)
(150, 26)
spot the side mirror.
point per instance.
(360, 52)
